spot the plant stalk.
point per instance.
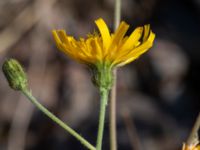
(113, 124)
(104, 99)
(28, 94)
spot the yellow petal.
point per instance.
(117, 40)
(121, 31)
(56, 37)
(58, 41)
(135, 53)
(88, 47)
(97, 51)
(62, 35)
(146, 32)
(133, 39)
(103, 29)
(66, 50)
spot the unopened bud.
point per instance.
(15, 74)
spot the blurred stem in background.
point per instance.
(113, 123)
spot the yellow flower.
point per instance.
(115, 49)
(102, 52)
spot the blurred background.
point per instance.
(157, 95)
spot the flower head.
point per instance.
(115, 49)
(104, 51)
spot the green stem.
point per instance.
(28, 94)
(104, 100)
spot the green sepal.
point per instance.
(102, 75)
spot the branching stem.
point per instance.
(28, 94)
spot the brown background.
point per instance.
(158, 94)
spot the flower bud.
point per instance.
(15, 74)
